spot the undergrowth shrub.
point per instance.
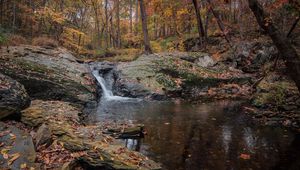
(45, 42)
(15, 40)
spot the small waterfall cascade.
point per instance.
(107, 93)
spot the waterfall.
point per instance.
(107, 93)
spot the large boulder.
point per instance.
(250, 56)
(96, 149)
(172, 74)
(13, 96)
(48, 73)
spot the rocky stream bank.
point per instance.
(47, 93)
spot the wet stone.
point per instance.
(16, 148)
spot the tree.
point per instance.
(118, 23)
(148, 49)
(283, 45)
(95, 6)
(219, 21)
(130, 14)
(199, 21)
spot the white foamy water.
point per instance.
(107, 93)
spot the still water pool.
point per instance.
(213, 136)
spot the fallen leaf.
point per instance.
(23, 166)
(12, 136)
(245, 156)
(4, 153)
(4, 133)
(14, 157)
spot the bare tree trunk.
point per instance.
(283, 45)
(136, 16)
(219, 21)
(14, 16)
(199, 21)
(206, 24)
(1, 12)
(293, 27)
(112, 33)
(106, 22)
(130, 15)
(148, 49)
(97, 23)
(118, 23)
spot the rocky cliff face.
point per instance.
(48, 73)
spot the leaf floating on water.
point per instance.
(167, 123)
(245, 156)
(12, 136)
(14, 157)
(4, 133)
(4, 153)
(23, 166)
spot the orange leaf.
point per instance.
(245, 156)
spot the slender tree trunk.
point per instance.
(130, 15)
(118, 23)
(14, 16)
(206, 24)
(219, 21)
(293, 26)
(199, 21)
(136, 17)
(97, 23)
(112, 34)
(107, 24)
(148, 49)
(283, 45)
(1, 12)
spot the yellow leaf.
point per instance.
(14, 157)
(4, 153)
(23, 166)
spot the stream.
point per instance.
(215, 135)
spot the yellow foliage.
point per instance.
(183, 11)
(168, 12)
(53, 16)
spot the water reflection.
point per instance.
(205, 136)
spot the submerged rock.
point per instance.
(100, 150)
(17, 148)
(48, 73)
(13, 96)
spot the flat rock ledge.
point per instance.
(97, 150)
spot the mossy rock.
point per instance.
(13, 97)
(171, 72)
(52, 74)
(102, 150)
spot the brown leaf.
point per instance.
(4, 133)
(12, 136)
